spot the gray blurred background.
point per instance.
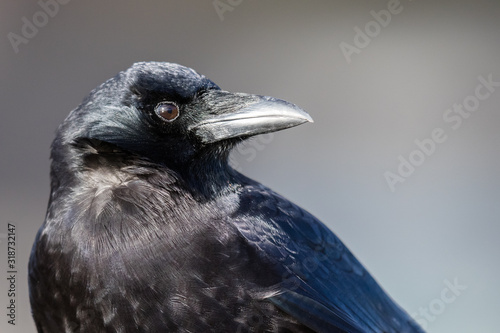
(438, 227)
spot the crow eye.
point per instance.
(167, 111)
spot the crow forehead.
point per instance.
(167, 78)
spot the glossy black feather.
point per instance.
(148, 229)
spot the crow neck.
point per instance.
(210, 175)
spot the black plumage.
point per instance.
(148, 229)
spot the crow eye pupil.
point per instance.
(167, 111)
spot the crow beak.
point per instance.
(242, 115)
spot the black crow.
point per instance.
(148, 229)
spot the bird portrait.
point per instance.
(149, 228)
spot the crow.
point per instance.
(149, 229)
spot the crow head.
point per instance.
(173, 116)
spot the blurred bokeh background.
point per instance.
(373, 84)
